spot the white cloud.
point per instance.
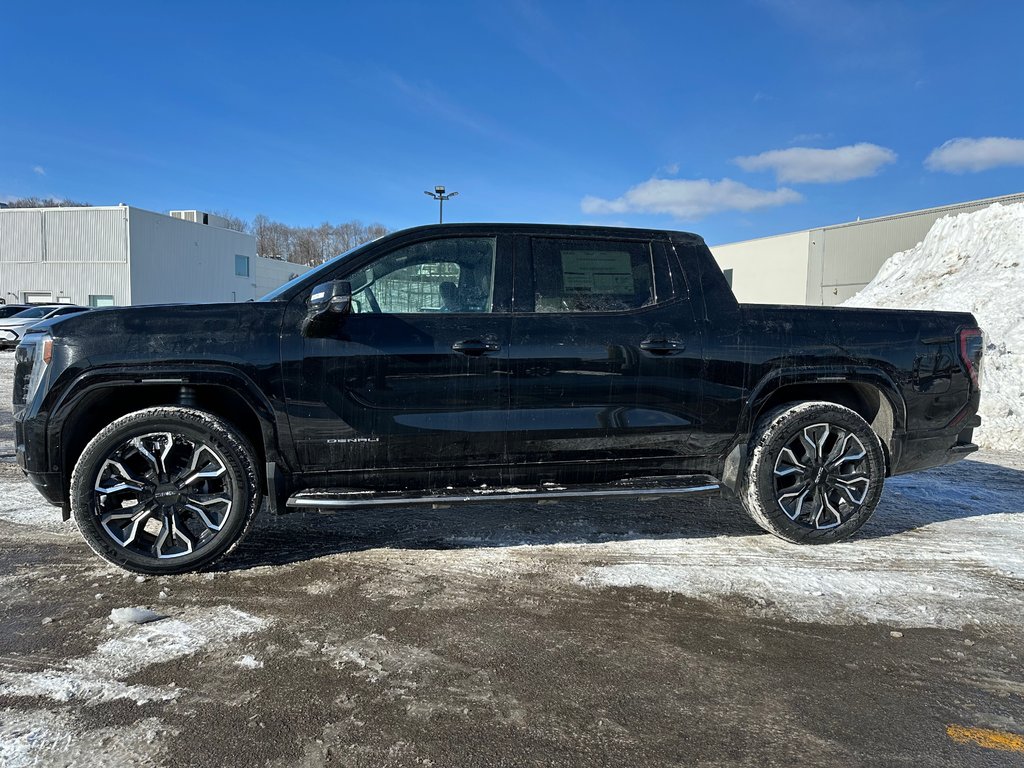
(689, 198)
(38, 169)
(805, 164)
(972, 155)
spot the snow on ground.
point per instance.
(48, 738)
(973, 262)
(944, 549)
(99, 677)
(21, 503)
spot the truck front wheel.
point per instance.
(815, 473)
(165, 490)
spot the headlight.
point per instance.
(44, 353)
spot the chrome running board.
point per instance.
(335, 498)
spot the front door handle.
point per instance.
(476, 346)
(663, 346)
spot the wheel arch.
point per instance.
(92, 404)
(870, 393)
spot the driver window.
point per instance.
(449, 275)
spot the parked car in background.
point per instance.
(13, 327)
(6, 310)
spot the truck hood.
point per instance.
(169, 332)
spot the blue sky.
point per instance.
(708, 117)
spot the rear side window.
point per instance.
(591, 275)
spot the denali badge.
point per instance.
(335, 440)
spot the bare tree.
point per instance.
(310, 245)
(44, 202)
(234, 222)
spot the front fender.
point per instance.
(72, 395)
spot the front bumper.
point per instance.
(49, 485)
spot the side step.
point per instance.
(335, 498)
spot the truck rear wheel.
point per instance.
(165, 490)
(815, 473)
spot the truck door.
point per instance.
(606, 358)
(413, 376)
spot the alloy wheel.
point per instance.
(821, 476)
(163, 495)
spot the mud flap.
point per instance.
(276, 490)
(732, 471)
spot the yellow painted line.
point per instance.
(983, 737)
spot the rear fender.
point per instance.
(804, 381)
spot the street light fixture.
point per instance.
(439, 195)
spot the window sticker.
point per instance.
(597, 272)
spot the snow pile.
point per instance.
(973, 262)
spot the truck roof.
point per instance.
(550, 229)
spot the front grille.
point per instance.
(24, 360)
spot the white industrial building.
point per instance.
(120, 255)
(828, 265)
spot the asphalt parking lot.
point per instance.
(657, 633)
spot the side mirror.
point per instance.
(327, 300)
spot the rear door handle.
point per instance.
(476, 346)
(662, 346)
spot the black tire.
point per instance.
(191, 477)
(815, 473)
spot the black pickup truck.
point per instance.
(484, 362)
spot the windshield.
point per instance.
(34, 312)
(327, 266)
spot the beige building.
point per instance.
(828, 265)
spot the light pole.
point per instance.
(439, 195)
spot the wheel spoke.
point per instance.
(144, 452)
(192, 475)
(827, 506)
(809, 443)
(850, 484)
(137, 518)
(158, 545)
(849, 449)
(128, 482)
(179, 532)
(800, 494)
(163, 454)
(814, 515)
(794, 464)
(199, 504)
(814, 444)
